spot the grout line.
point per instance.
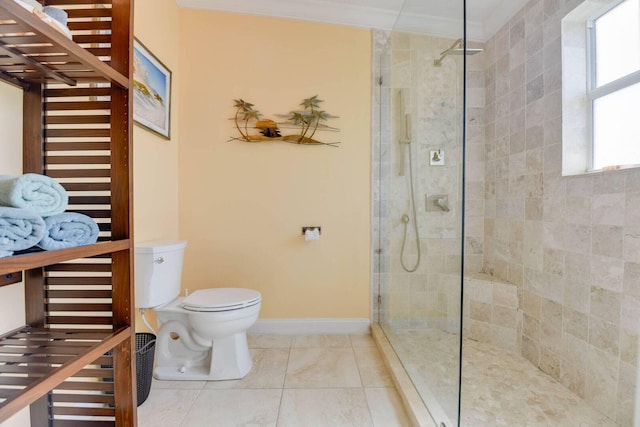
(363, 388)
(284, 379)
(191, 406)
(366, 400)
(355, 358)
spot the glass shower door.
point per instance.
(418, 169)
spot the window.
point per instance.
(601, 86)
(613, 85)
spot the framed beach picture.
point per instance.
(151, 91)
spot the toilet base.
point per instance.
(228, 359)
(172, 373)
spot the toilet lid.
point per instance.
(221, 299)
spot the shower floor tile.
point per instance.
(498, 388)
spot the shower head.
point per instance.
(457, 48)
(461, 51)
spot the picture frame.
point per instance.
(151, 91)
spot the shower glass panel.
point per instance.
(418, 199)
(551, 262)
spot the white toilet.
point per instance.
(202, 336)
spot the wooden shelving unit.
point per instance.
(73, 361)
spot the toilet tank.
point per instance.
(158, 271)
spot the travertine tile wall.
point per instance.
(433, 97)
(491, 312)
(570, 244)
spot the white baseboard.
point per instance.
(310, 327)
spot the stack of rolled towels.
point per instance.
(32, 214)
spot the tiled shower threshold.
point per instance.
(418, 413)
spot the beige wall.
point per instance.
(155, 159)
(242, 205)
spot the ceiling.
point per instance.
(436, 17)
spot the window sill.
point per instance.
(603, 170)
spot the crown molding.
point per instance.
(307, 10)
(356, 15)
(439, 27)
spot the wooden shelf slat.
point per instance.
(46, 71)
(79, 320)
(86, 386)
(31, 23)
(84, 106)
(79, 307)
(35, 359)
(75, 146)
(79, 133)
(56, 351)
(60, 334)
(83, 398)
(80, 411)
(63, 2)
(77, 281)
(36, 387)
(38, 259)
(80, 267)
(84, 91)
(89, 200)
(77, 120)
(74, 423)
(88, 13)
(79, 173)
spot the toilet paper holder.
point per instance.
(311, 228)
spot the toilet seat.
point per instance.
(221, 299)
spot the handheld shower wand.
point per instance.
(406, 141)
(405, 131)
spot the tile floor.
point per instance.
(297, 381)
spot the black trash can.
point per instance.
(145, 351)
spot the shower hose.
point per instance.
(406, 220)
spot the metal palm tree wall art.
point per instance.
(253, 128)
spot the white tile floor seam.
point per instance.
(357, 366)
(282, 393)
(182, 419)
(315, 381)
(353, 350)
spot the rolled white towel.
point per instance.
(38, 193)
(20, 229)
(68, 230)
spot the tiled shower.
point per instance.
(559, 255)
